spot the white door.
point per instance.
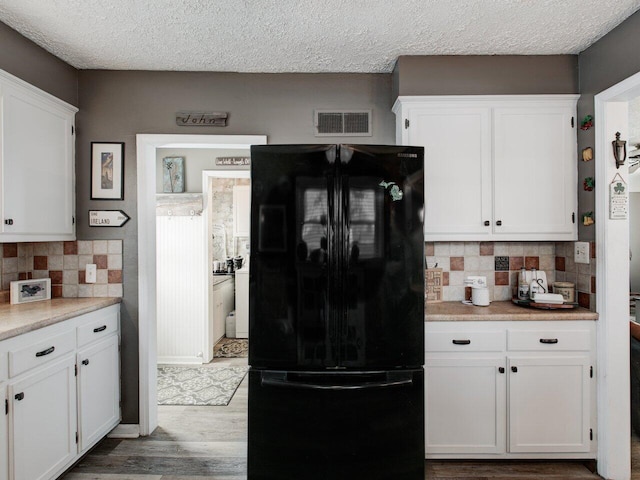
(42, 421)
(241, 210)
(37, 165)
(98, 390)
(465, 405)
(549, 404)
(535, 171)
(458, 172)
(242, 303)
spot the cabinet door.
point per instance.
(535, 172)
(465, 402)
(457, 173)
(241, 210)
(42, 421)
(549, 404)
(98, 390)
(4, 459)
(37, 167)
(242, 305)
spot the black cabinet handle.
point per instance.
(548, 340)
(45, 352)
(499, 223)
(487, 223)
(501, 369)
(85, 361)
(461, 342)
(100, 329)
(514, 369)
(19, 396)
(8, 221)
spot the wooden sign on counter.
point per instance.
(107, 218)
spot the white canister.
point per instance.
(480, 296)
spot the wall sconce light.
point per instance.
(619, 150)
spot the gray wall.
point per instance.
(485, 75)
(608, 61)
(115, 106)
(33, 64)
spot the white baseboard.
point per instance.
(125, 430)
(176, 360)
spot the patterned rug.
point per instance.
(198, 385)
(231, 348)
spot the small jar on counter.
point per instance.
(567, 290)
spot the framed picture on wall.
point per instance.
(107, 171)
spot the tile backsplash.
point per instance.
(500, 262)
(64, 263)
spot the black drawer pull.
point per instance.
(461, 342)
(85, 361)
(548, 340)
(100, 329)
(19, 396)
(45, 352)
(487, 223)
(514, 369)
(501, 369)
(499, 223)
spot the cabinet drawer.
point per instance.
(3, 365)
(550, 340)
(97, 329)
(472, 341)
(40, 352)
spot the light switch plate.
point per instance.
(581, 252)
(90, 273)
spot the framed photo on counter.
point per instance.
(107, 171)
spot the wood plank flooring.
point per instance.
(209, 443)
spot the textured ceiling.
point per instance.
(304, 35)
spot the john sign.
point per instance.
(107, 218)
(201, 119)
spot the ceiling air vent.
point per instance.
(342, 123)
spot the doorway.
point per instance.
(146, 148)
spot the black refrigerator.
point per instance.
(336, 313)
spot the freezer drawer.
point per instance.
(312, 425)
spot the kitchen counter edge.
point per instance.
(19, 319)
(500, 311)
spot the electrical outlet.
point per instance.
(476, 281)
(90, 273)
(581, 252)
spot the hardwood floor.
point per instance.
(209, 443)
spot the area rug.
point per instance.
(231, 348)
(198, 385)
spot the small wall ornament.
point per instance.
(587, 123)
(587, 154)
(587, 219)
(589, 183)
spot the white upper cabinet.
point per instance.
(37, 185)
(496, 167)
(241, 210)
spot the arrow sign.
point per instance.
(107, 218)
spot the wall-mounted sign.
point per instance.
(107, 218)
(618, 199)
(201, 119)
(233, 161)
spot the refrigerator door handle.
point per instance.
(314, 381)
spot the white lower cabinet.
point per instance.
(98, 392)
(510, 389)
(42, 424)
(4, 456)
(465, 403)
(62, 394)
(549, 404)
